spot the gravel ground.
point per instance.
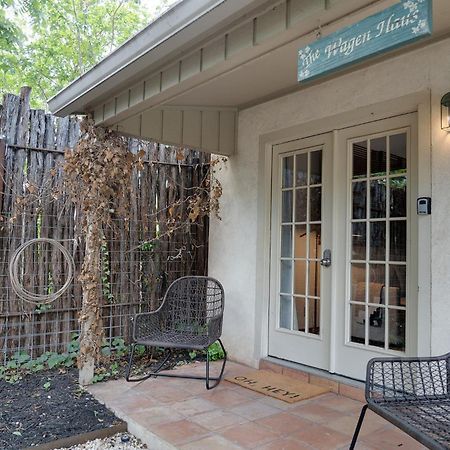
(122, 441)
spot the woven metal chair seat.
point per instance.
(414, 395)
(428, 416)
(171, 339)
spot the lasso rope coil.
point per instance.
(32, 297)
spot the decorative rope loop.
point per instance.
(32, 297)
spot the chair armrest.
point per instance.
(400, 379)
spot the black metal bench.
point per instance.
(413, 394)
(190, 317)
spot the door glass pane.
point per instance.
(378, 198)
(384, 286)
(286, 241)
(378, 241)
(359, 240)
(315, 245)
(397, 144)
(315, 203)
(359, 200)
(285, 311)
(398, 240)
(358, 281)
(377, 324)
(359, 152)
(357, 323)
(300, 241)
(314, 316)
(398, 186)
(301, 162)
(377, 279)
(378, 158)
(301, 203)
(288, 171)
(397, 328)
(300, 314)
(286, 206)
(286, 277)
(397, 285)
(314, 278)
(300, 278)
(316, 167)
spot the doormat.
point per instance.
(278, 386)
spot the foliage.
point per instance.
(21, 364)
(215, 352)
(62, 39)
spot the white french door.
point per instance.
(376, 309)
(301, 218)
(343, 247)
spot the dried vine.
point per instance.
(97, 178)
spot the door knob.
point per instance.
(326, 258)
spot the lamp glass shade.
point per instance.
(445, 112)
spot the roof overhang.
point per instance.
(183, 79)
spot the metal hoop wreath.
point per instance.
(32, 297)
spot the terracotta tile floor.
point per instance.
(177, 413)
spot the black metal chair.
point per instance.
(190, 317)
(413, 394)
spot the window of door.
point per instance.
(378, 295)
(300, 242)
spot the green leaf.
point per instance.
(21, 357)
(55, 360)
(38, 368)
(118, 342)
(139, 349)
(17, 433)
(12, 365)
(47, 385)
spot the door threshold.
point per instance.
(339, 384)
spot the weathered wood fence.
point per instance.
(138, 258)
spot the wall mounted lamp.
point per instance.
(445, 112)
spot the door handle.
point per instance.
(326, 258)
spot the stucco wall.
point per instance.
(233, 244)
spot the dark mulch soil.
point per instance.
(31, 415)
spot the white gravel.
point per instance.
(113, 442)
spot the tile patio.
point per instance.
(181, 414)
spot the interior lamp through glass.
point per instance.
(445, 112)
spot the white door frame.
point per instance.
(419, 102)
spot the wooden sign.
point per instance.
(398, 25)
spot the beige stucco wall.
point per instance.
(234, 248)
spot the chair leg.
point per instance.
(219, 378)
(358, 426)
(150, 374)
